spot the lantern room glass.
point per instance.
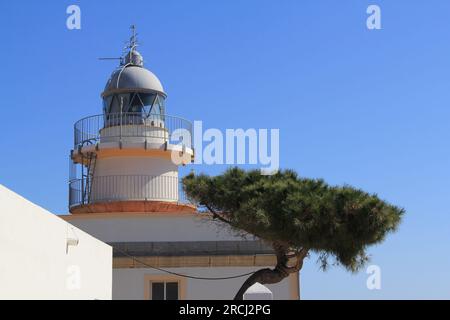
(136, 107)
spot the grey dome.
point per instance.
(133, 78)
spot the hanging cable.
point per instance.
(179, 274)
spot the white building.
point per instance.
(181, 242)
(126, 192)
(44, 257)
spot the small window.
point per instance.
(164, 290)
(158, 291)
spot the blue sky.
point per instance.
(367, 108)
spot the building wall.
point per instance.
(35, 261)
(131, 283)
(129, 165)
(152, 227)
(129, 177)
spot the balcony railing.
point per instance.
(132, 127)
(125, 188)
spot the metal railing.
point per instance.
(118, 126)
(125, 187)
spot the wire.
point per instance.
(179, 274)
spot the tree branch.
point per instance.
(217, 215)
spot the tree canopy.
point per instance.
(296, 216)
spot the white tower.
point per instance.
(123, 158)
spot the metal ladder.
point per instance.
(88, 176)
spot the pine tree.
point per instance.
(296, 216)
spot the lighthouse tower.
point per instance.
(126, 159)
(124, 190)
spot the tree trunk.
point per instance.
(271, 276)
(263, 276)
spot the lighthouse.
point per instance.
(123, 158)
(124, 189)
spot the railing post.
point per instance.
(121, 110)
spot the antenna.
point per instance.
(131, 45)
(114, 58)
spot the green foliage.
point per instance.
(335, 222)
